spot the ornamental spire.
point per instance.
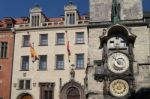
(115, 11)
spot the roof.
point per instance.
(56, 19)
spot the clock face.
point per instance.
(118, 63)
(119, 88)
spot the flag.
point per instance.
(34, 55)
(68, 47)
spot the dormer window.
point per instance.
(70, 18)
(37, 17)
(9, 25)
(71, 14)
(35, 20)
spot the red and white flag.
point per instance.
(68, 47)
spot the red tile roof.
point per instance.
(56, 19)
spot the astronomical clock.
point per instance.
(117, 62)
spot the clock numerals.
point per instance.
(119, 88)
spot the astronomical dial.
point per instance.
(118, 63)
(119, 88)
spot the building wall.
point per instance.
(95, 53)
(141, 46)
(51, 74)
(6, 65)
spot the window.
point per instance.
(70, 18)
(79, 37)
(59, 61)
(3, 49)
(0, 84)
(46, 90)
(35, 20)
(60, 38)
(25, 63)
(24, 84)
(43, 39)
(26, 39)
(117, 42)
(80, 61)
(9, 25)
(43, 62)
(0, 67)
(48, 94)
(111, 43)
(122, 43)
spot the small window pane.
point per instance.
(21, 84)
(80, 61)
(43, 62)
(59, 61)
(27, 86)
(0, 67)
(26, 39)
(60, 38)
(43, 39)
(72, 18)
(46, 94)
(35, 20)
(122, 44)
(111, 43)
(3, 49)
(25, 63)
(79, 37)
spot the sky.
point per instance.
(51, 8)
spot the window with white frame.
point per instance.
(42, 62)
(60, 38)
(25, 63)
(43, 39)
(26, 40)
(79, 61)
(24, 84)
(79, 37)
(59, 61)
